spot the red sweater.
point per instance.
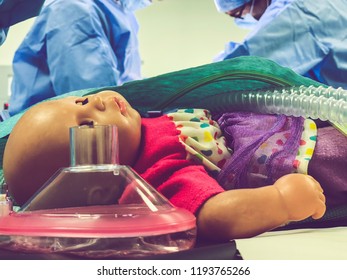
(163, 164)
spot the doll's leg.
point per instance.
(329, 165)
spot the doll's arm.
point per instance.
(245, 213)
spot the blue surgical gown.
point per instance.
(14, 11)
(74, 45)
(308, 36)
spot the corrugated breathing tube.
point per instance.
(312, 102)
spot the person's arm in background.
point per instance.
(82, 50)
(302, 37)
(272, 11)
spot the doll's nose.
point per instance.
(97, 103)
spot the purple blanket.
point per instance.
(265, 147)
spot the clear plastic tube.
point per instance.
(337, 93)
(313, 102)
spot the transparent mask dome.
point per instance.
(97, 208)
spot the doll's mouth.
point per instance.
(121, 105)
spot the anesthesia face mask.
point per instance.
(96, 208)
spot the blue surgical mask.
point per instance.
(247, 21)
(133, 5)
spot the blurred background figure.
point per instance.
(14, 11)
(75, 45)
(307, 36)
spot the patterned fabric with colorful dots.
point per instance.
(307, 144)
(201, 137)
(265, 147)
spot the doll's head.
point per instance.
(39, 143)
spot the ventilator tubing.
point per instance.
(311, 102)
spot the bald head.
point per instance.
(37, 147)
(39, 143)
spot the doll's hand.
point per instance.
(302, 196)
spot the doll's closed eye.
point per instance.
(82, 102)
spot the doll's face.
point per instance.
(39, 143)
(107, 107)
(103, 108)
